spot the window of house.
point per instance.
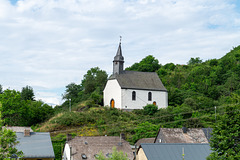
(154, 103)
(149, 96)
(133, 95)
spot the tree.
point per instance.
(114, 156)
(193, 61)
(145, 130)
(225, 141)
(1, 89)
(71, 92)
(93, 79)
(15, 110)
(147, 64)
(27, 93)
(8, 141)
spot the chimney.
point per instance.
(123, 136)
(26, 132)
(69, 137)
(184, 129)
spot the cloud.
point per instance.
(48, 44)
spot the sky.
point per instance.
(48, 44)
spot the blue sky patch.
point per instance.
(13, 2)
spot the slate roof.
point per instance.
(91, 146)
(144, 140)
(139, 80)
(176, 135)
(208, 133)
(37, 145)
(119, 56)
(165, 151)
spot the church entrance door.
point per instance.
(112, 103)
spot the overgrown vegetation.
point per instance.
(195, 90)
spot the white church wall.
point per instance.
(160, 97)
(112, 91)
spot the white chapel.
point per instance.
(130, 90)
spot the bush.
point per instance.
(150, 109)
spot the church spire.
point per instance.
(118, 60)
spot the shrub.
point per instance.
(150, 109)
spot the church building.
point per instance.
(130, 90)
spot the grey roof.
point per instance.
(91, 146)
(18, 129)
(37, 145)
(208, 133)
(119, 56)
(167, 151)
(139, 80)
(176, 135)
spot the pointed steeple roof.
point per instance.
(119, 56)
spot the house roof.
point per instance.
(139, 80)
(176, 135)
(144, 140)
(208, 133)
(91, 146)
(37, 145)
(168, 151)
(18, 129)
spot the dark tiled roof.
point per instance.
(37, 145)
(176, 135)
(91, 146)
(139, 80)
(166, 151)
(208, 133)
(144, 140)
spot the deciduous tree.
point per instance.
(225, 141)
(8, 141)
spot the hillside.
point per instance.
(195, 91)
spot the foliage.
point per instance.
(91, 88)
(225, 141)
(150, 109)
(8, 141)
(58, 143)
(193, 61)
(145, 130)
(1, 89)
(71, 92)
(27, 93)
(116, 155)
(19, 112)
(14, 110)
(147, 64)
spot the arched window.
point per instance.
(112, 103)
(133, 95)
(154, 103)
(149, 96)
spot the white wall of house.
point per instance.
(111, 91)
(160, 97)
(66, 153)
